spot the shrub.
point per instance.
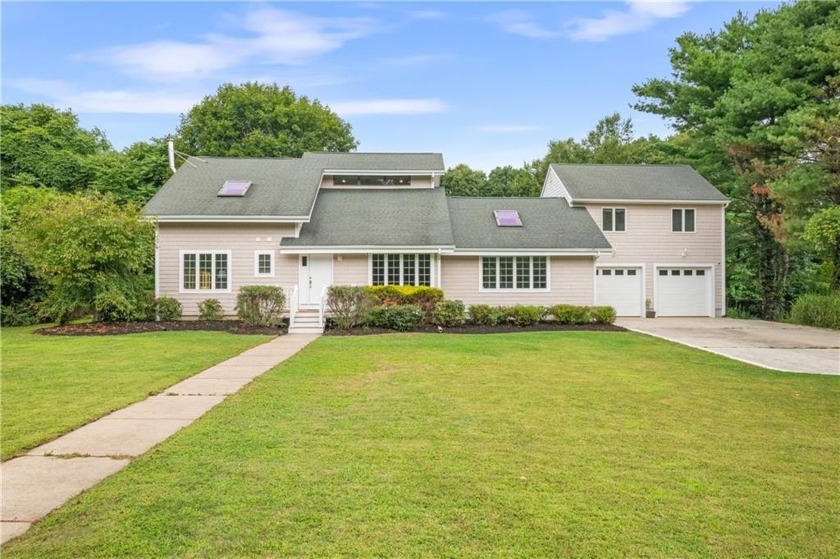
(571, 314)
(449, 313)
(485, 315)
(210, 309)
(425, 297)
(168, 308)
(349, 305)
(260, 305)
(603, 315)
(817, 310)
(18, 314)
(403, 318)
(525, 315)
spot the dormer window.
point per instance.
(507, 218)
(371, 180)
(234, 188)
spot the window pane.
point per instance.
(631, 272)
(607, 216)
(424, 269)
(378, 269)
(205, 271)
(676, 220)
(408, 269)
(264, 264)
(689, 220)
(540, 273)
(189, 271)
(663, 272)
(675, 272)
(523, 272)
(619, 272)
(488, 273)
(701, 272)
(619, 220)
(688, 272)
(221, 271)
(506, 272)
(393, 269)
(606, 272)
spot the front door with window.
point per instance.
(315, 274)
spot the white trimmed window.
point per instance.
(205, 271)
(613, 219)
(514, 272)
(682, 220)
(264, 263)
(401, 269)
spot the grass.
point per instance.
(556, 444)
(53, 384)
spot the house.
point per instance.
(610, 234)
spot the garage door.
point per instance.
(620, 288)
(683, 291)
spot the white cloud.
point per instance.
(518, 22)
(508, 128)
(264, 35)
(388, 107)
(109, 101)
(426, 14)
(639, 15)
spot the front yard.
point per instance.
(552, 444)
(51, 385)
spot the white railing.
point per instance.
(321, 304)
(292, 302)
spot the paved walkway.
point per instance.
(50, 475)
(774, 345)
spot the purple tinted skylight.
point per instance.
(234, 188)
(507, 218)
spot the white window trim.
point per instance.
(257, 254)
(612, 209)
(214, 252)
(483, 289)
(682, 212)
(433, 268)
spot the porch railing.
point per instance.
(292, 301)
(321, 304)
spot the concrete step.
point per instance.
(305, 330)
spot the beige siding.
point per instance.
(571, 280)
(649, 240)
(241, 240)
(417, 181)
(554, 187)
(350, 269)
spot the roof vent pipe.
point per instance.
(171, 147)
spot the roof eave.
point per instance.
(227, 218)
(578, 201)
(363, 249)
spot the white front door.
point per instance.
(315, 274)
(684, 291)
(619, 288)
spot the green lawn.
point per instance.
(561, 444)
(52, 384)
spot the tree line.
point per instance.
(755, 108)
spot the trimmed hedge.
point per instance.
(571, 314)
(486, 315)
(603, 315)
(348, 305)
(425, 297)
(817, 310)
(449, 313)
(260, 305)
(168, 308)
(525, 315)
(210, 309)
(403, 318)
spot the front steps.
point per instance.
(306, 322)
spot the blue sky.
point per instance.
(486, 84)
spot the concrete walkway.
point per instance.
(50, 475)
(773, 345)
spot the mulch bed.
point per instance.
(117, 328)
(473, 329)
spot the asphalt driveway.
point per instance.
(773, 345)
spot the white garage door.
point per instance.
(683, 291)
(620, 288)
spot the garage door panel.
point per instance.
(620, 288)
(683, 291)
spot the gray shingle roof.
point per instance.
(378, 161)
(368, 217)
(547, 223)
(636, 182)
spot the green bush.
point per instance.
(425, 297)
(525, 315)
(260, 305)
(19, 314)
(210, 309)
(571, 314)
(603, 315)
(403, 318)
(168, 308)
(817, 310)
(486, 315)
(449, 313)
(348, 305)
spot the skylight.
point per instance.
(234, 188)
(507, 218)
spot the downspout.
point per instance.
(157, 265)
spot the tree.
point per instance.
(92, 255)
(261, 120)
(823, 232)
(46, 147)
(463, 181)
(759, 101)
(134, 174)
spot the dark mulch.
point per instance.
(473, 329)
(117, 328)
